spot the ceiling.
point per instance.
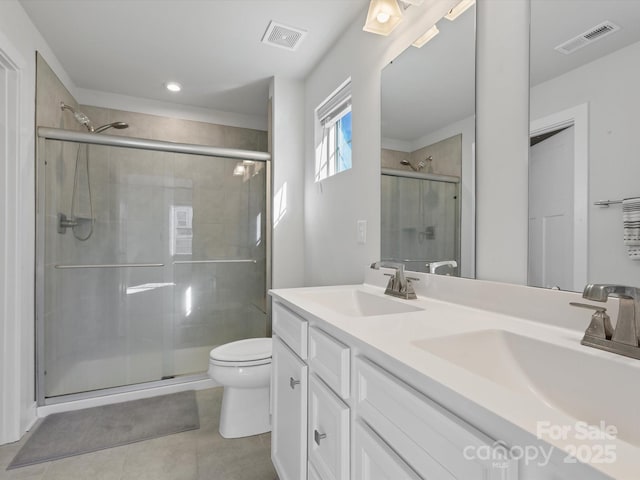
(212, 47)
(428, 88)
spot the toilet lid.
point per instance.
(247, 350)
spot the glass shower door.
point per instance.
(150, 259)
(419, 221)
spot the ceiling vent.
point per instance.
(588, 37)
(283, 36)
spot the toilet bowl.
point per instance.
(243, 368)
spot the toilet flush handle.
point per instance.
(293, 383)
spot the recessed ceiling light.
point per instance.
(173, 86)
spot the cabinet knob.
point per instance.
(293, 383)
(317, 436)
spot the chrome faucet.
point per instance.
(624, 340)
(432, 267)
(399, 285)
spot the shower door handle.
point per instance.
(293, 383)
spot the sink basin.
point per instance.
(356, 303)
(589, 388)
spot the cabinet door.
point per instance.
(289, 422)
(375, 460)
(328, 432)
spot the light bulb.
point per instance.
(173, 86)
(383, 17)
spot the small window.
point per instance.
(333, 127)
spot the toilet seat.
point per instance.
(243, 353)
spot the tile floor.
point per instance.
(196, 455)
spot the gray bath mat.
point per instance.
(67, 434)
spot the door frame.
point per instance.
(578, 117)
(12, 326)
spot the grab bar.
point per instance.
(606, 203)
(239, 260)
(111, 265)
(177, 262)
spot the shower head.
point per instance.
(80, 117)
(415, 169)
(116, 125)
(421, 164)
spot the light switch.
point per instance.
(362, 231)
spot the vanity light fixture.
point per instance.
(459, 9)
(428, 35)
(383, 17)
(173, 86)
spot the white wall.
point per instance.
(288, 183)
(609, 85)
(502, 151)
(19, 38)
(333, 206)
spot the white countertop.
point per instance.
(399, 335)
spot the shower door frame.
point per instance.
(392, 172)
(46, 133)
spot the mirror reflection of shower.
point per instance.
(82, 227)
(422, 164)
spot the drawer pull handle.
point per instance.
(293, 383)
(317, 436)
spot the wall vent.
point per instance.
(283, 36)
(588, 37)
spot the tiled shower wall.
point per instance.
(446, 155)
(106, 327)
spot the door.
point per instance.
(328, 436)
(551, 212)
(289, 422)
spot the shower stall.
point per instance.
(420, 218)
(149, 254)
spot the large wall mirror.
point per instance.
(584, 156)
(428, 139)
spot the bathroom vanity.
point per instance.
(472, 380)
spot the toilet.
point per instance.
(243, 368)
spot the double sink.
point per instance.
(585, 384)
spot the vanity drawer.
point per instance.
(432, 440)
(328, 436)
(329, 359)
(375, 460)
(291, 328)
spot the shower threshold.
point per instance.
(106, 396)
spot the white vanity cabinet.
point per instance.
(289, 395)
(356, 419)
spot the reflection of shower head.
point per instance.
(86, 122)
(117, 125)
(80, 117)
(421, 164)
